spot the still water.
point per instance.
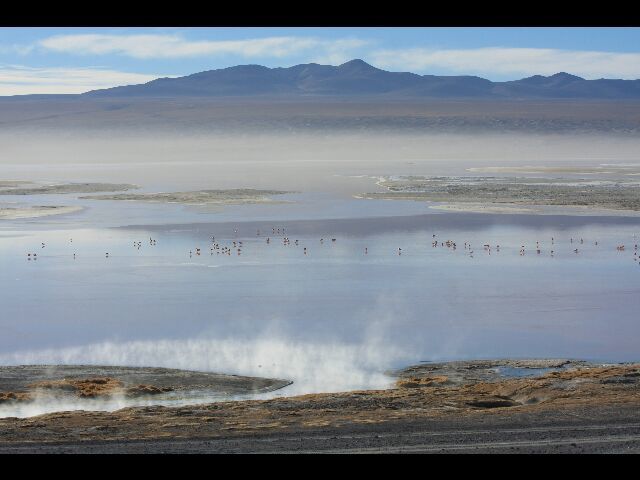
(334, 318)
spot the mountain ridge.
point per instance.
(358, 78)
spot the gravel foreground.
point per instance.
(574, 407)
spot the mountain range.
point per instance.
(358, 78)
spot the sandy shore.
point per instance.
(14, 213)
(574, 406)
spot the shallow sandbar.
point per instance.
(199, 197)
(32, 188)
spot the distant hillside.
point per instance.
(357, 77)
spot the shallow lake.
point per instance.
(333, 318)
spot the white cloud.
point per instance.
(174, 46)
(511, 62)
(20, 80)
(16, 48)
(339, 51)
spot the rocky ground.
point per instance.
(557, 406)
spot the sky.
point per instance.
(76, 60)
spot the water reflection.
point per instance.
(431, 302)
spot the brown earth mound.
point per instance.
(14, 397)
(138, 390)
(97, 387)
(85, 388)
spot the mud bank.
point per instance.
(30, 383)
(496, 193)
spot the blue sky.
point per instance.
(73, 60)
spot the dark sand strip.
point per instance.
(433, 222)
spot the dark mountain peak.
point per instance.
(565, 77)
(562, 77)
(251, 69)
(358, 65)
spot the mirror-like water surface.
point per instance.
(334, 318)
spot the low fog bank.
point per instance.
(288, 161)
(254, 115)
(312, 366)
(43, 403)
